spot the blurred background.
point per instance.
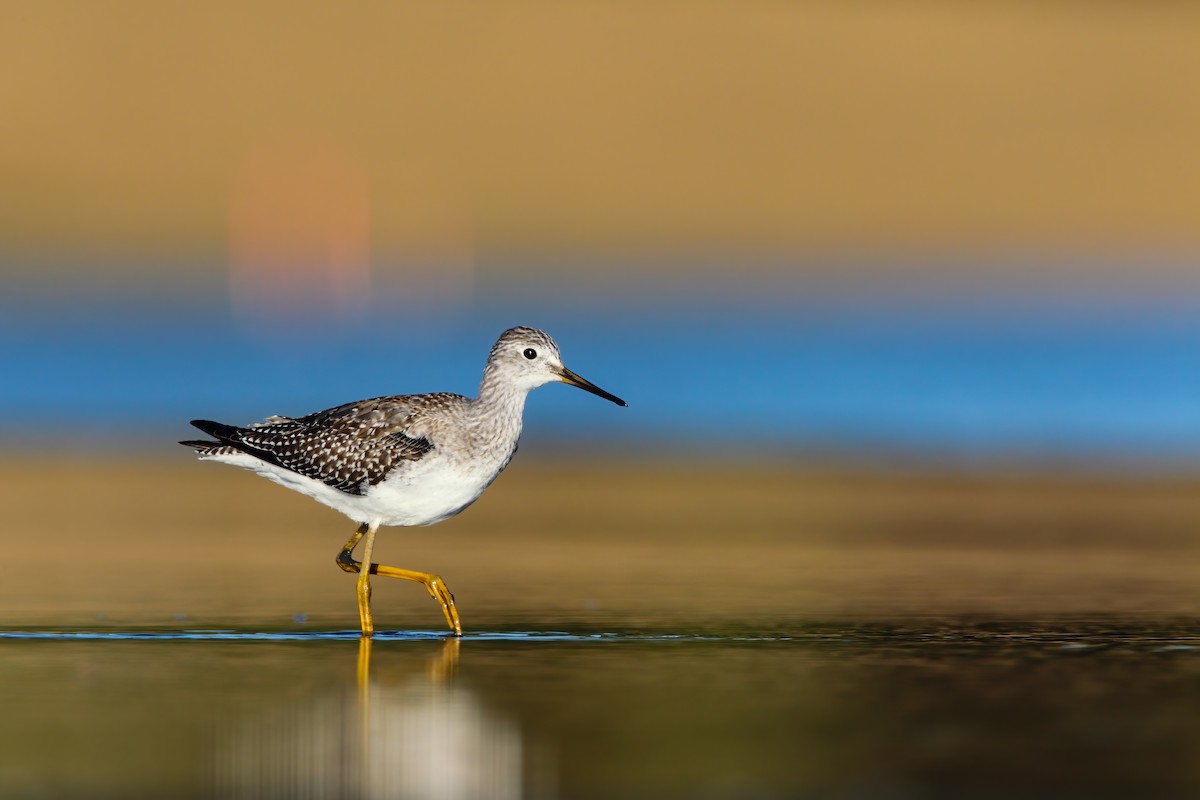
(903, 297)
(906, 232)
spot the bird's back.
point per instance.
(350, 447)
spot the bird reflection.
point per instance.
(419, 737)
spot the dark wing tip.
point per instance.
(225, 436)
(217, 430)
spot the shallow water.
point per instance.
(843, 708)
(690, 633)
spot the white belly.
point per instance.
(425, 492)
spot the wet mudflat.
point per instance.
(763, 632)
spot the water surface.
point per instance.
(758, 631)
(851, 708)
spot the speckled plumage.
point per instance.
(350, 448)
(404, 459)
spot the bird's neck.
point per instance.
(500, 400)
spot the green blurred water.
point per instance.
(843, 708)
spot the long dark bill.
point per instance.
(588, 386)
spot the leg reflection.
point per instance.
(411, 731)
(442, 667)
(362, 773)
(427, 737)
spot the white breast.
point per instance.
(427, 492)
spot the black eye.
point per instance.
(530, 353)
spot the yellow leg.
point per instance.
(432, 583)
(364, 586)
(345, 559)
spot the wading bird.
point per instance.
(401, 460)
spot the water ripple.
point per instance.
(353, 635)
(962, 638)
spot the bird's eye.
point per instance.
(530, 353)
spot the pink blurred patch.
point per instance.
(299, 237)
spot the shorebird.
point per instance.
(402, 460)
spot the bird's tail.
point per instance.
(221, 432)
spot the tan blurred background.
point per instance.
(903, 296)
(477, 132)
(285, 161)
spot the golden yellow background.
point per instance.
(662, 128)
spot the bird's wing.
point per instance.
(350, 447)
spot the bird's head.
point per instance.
(528, 358)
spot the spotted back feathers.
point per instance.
(350, 447)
